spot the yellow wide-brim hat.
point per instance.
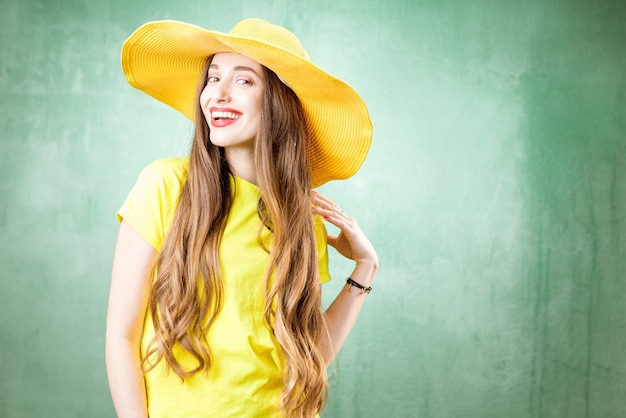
(165, 59)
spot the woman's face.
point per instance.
(231, 100)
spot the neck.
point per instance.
(241, 162)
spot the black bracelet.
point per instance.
(351, 283)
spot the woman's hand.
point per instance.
(351, 241)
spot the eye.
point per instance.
(243, 82)
(212, 79)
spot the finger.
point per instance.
(335, 217)
(334, 211)
(340, 220)
(324, 202)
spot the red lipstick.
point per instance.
(223, 116)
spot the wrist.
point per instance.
(370, 263)
(364, 271)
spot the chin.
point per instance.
(219, 142)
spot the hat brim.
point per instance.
(165, 59)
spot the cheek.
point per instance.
(255, 110)
(204, 104)
(204, 98)
(256, 103)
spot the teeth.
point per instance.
(224, 115)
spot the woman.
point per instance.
(215, 302)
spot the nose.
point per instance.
(221, 92)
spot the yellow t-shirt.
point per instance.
(245, 379)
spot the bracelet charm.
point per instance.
(352, 283)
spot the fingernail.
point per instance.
(326, 217)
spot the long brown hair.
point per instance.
(187, 292)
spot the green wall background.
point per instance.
(494, 191)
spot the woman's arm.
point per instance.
(351, 243)
(128, 300)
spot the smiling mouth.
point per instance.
(224, 115)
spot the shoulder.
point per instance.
(161, 181)
(168, 169)
(150, 205)
(165, 173)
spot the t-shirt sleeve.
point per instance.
(151, 203)
(322, 248)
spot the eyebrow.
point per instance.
(237, 68)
